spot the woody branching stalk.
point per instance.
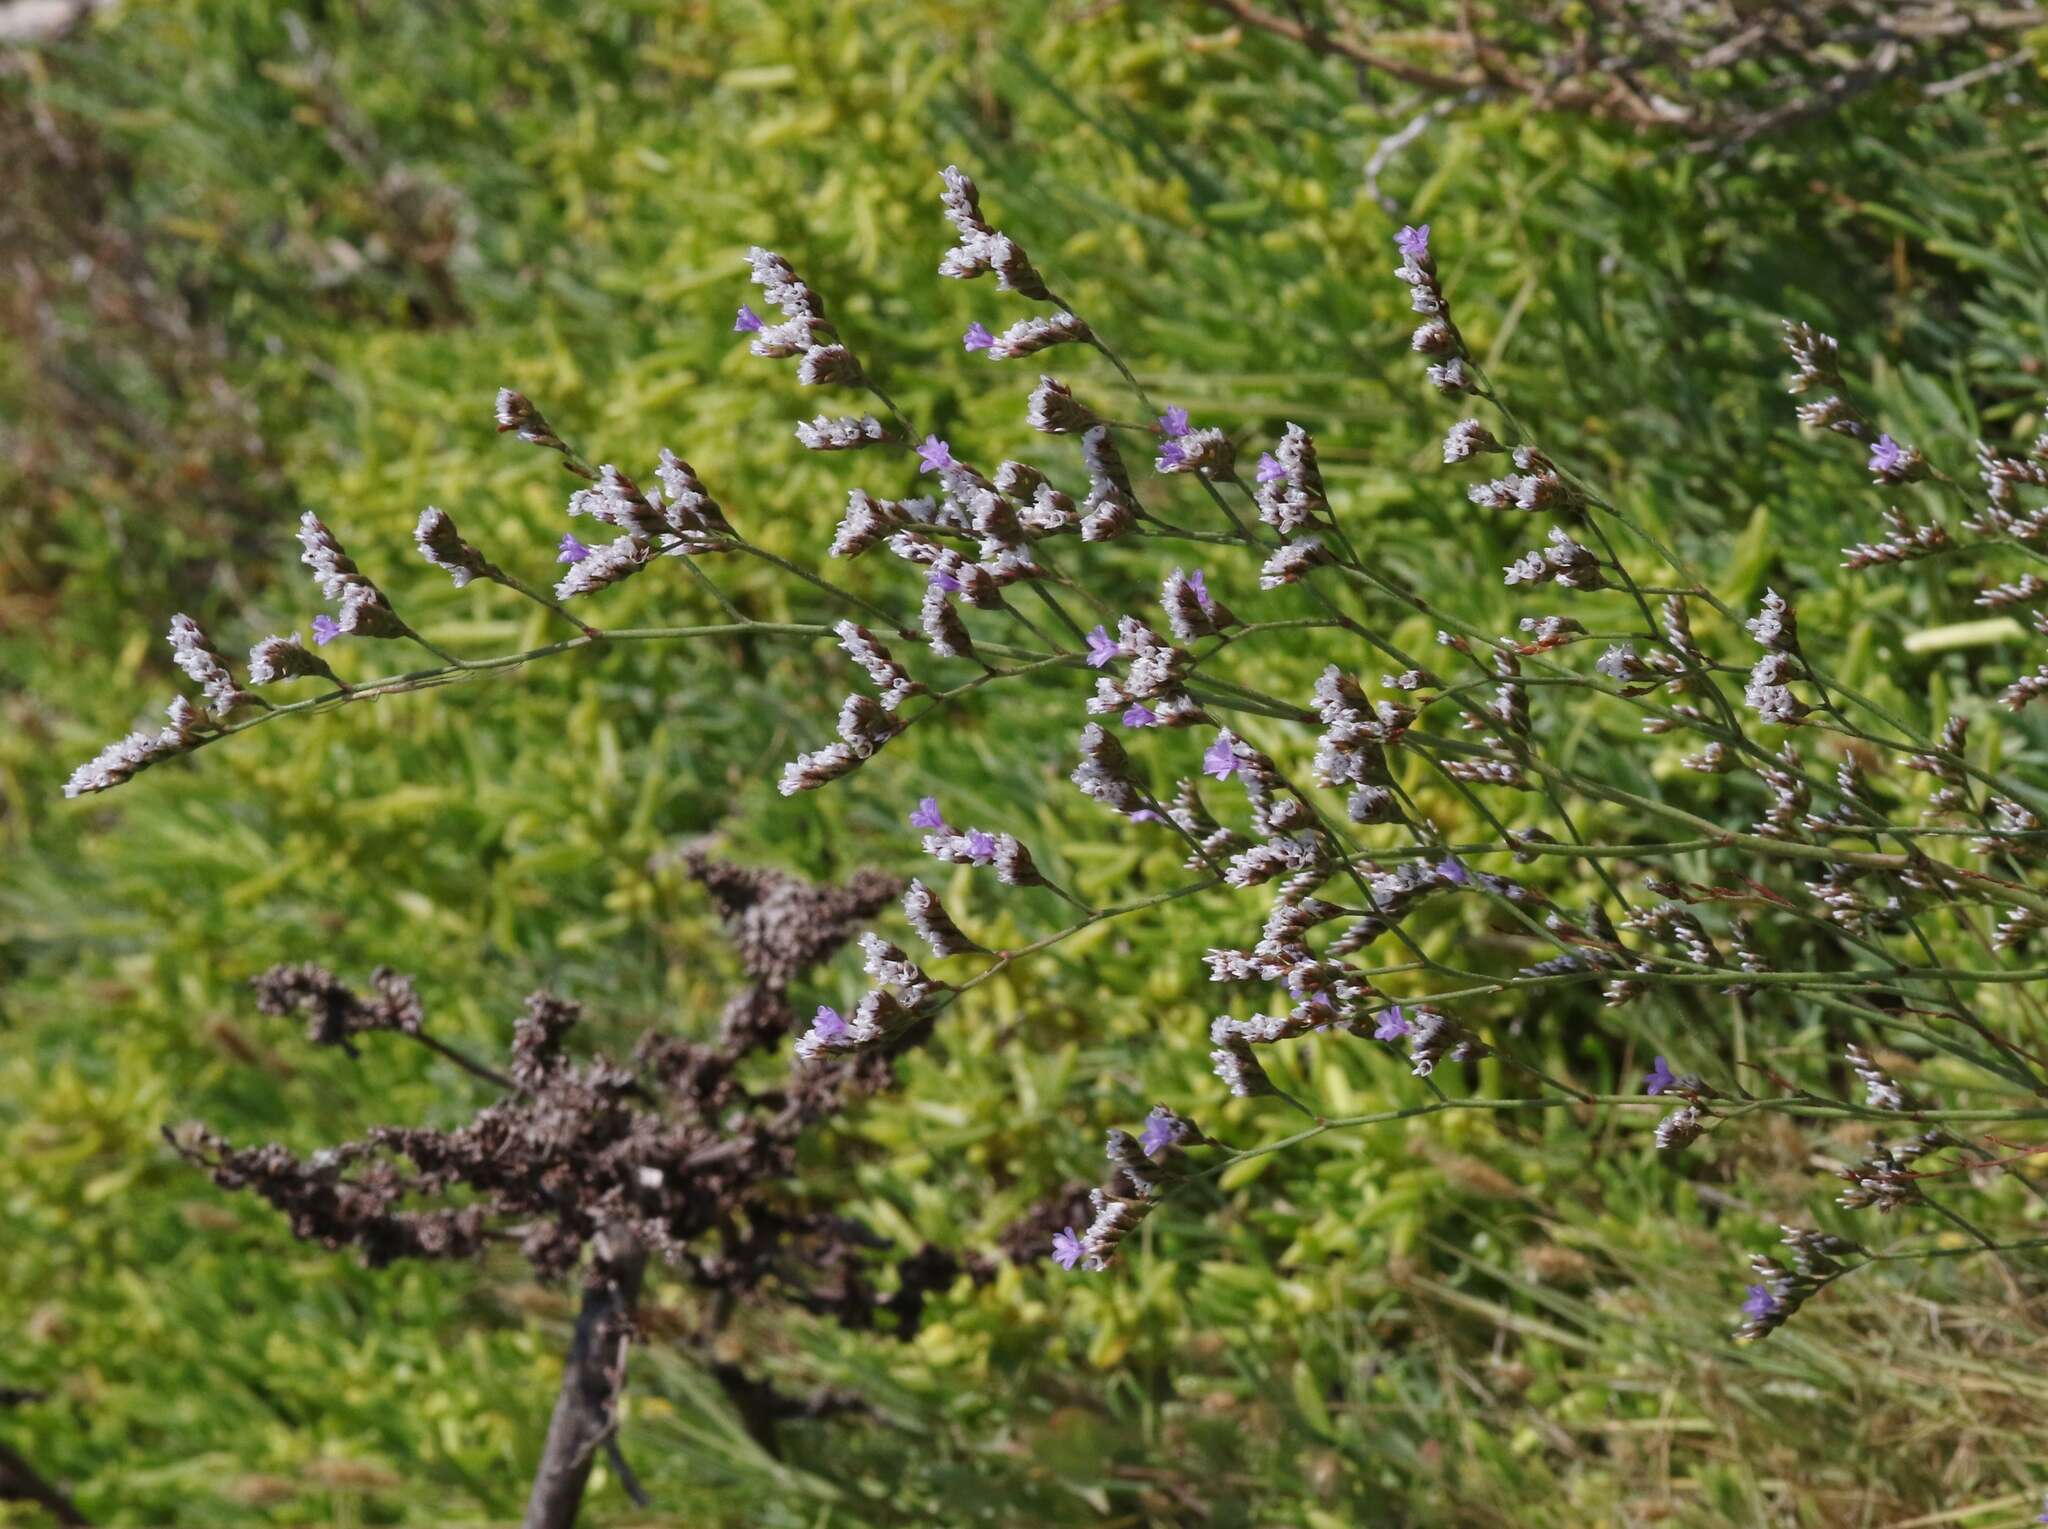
(606, 1174)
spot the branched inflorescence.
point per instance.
(594, 1165)
(1783, 847)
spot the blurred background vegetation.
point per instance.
(260, 259)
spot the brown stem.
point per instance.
(586, 1410)
(22, 1482)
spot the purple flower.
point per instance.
(1886, 455)
(1158, 1130)
(927, 815)
(1138, 714)
(935, 455)
(1174, 422)
(1170, 455)
(1413, 242)
(941, 579)
(827, 1024)
(325, 629)
(1658, 1078)
(1220, 758)
(746, 321)
(571, 550)
(1393, 1025)
(1102, 648)
(1066, 1248)
(1146, 815)
(977, 336)
(1454, 873)
(981, 846)
(1270, 470)
(1760, 1303)
(1200, 586)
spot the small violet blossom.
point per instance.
(325, 629)
(1200, 586)
(1886, 455)
(927, 815)
(1658, 1078)
(1102, 648)
(935, 455)
(1066, 1248)
(746, 321)
(828, 1024)
(981, 846)
(1170, 455)
(941, 579)
(1220, 758)
(571, 550)
(1158, 1131)
(977, 336)
(1140, 715)
(1174, 423)
(1454, 873)
(1393, 1025)
(1270, 470)
(1760, 1303)
(1413, 242)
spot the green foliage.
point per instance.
(1460, 1321)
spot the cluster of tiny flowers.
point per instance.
(1816, 361)
(1776, 630)
(1184, 449)
(204, 666)
(1536, 485)
(1437, 336)
(1904, 543)
(804, 331)
(1683, 1126)
(364, 610)
(900, 995)
(1780, 1290)
(516, 413)
(1142, 1167)
(1191, 611)
(1563, 562)
(1883, 1179)
(976, 846)
(679, 517)
(1029, 336)
(1894, 464)
(1879, 1091)
(847, 432)
(1468, 438)
(1052, 409)
(979, 248)
(1151, 692)
(926, 915)
(442, 545)
(140, 749)
(2003, 478)
(865, 725)
(285, 658)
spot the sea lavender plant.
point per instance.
(1850, 854)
